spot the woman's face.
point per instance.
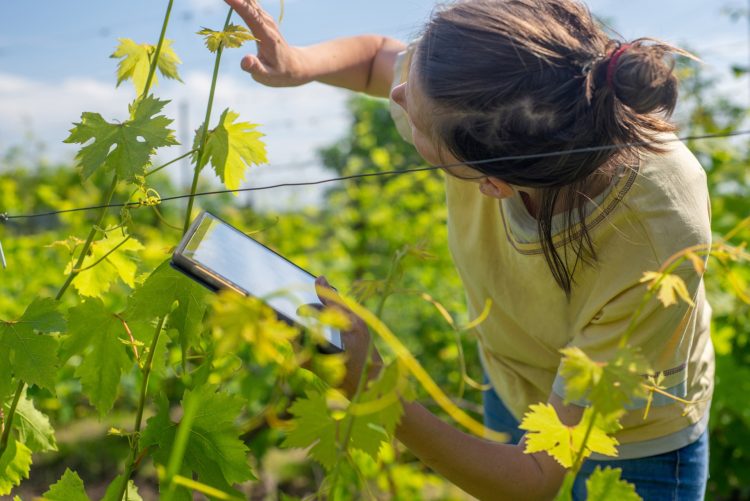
(419, 111)
(411, 98)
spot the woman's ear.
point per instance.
(495, 188)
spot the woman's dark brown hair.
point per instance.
(521, 77)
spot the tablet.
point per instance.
(220, 256)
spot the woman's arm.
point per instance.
(362, 63)
(484, 469)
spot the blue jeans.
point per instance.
(679, 475)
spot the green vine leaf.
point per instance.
(15, 463)
(232, 37)
(315, 427)
(214, 451)
(607, 484)
(547, 433)
(95, 333)
(156, 297)
(231, 148)
(124, 148)
(29, 352)
(68, 488)
(112, 262)
(136, 62)
(34, 428)
(607, 386)
(321, 419)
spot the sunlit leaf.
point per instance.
(15, 463)
(119, 263)
(232, 147)
(233, 36)
(547, 433)
(670, 287)
(238, 320)
(136, 61)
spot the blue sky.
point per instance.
(54, 63)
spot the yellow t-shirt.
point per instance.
(651, 211)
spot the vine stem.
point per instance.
(579, 457)
(89, 240)
(371, 348)
(157, 169)
(157, 52)
(9, 418)
(141, 404)
(204, 132)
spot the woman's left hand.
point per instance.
(356, 340)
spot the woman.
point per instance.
(558, 242)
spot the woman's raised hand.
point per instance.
(276, 64)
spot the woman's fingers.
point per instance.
(277, 64)
(261, 23)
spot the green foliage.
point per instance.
(136, 328)
(136, 61)
(68, 488)
(114, 258)
(29, 352)
(232, 36)
(123, 148)
(323, 420)
(33, 427)
(214, 452)
(156, 298)
(611, 385)
(237, 320)
(15, 463)
(606, 484)
(94, 334)
(232, 147)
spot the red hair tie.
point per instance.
(613, 64)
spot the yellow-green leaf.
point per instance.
(607, 484)
(232, 147)
(233, 36)
(238, 320)
(547, 433)
(15, 463)
(120, 264)
(136, 61)
(670, 286)
(581, 374)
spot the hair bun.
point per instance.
(643, 78)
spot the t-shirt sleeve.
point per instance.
(663, 334)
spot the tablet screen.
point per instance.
(254, 268)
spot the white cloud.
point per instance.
(297, 121)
